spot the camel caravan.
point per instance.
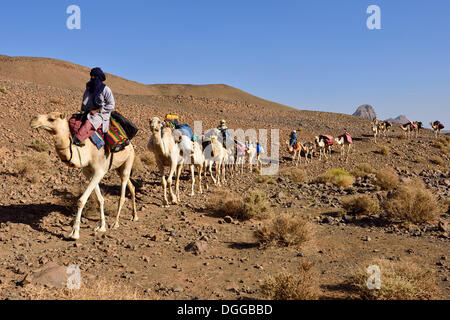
(98, 140)
(380, 128)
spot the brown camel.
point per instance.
(95, 163)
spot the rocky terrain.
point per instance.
(188, 251)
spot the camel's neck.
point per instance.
(161, 141)
(65, 149)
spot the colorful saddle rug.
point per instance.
(115, 138)
(388, 124)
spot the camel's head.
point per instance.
(155, 124)
(53, 122)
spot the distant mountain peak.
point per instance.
(400, 119)
(365, 111)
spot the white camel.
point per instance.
(321, 147)
(95, 163)
(167, 154)
(344, 141)
(215, 153)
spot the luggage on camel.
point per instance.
(347, 137)
(128, 126)
(115, 138)
(329, 141)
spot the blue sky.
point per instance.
(315, 55)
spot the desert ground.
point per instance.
(322, 254)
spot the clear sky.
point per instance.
(316, 55)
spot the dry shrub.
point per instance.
(284, 230)
(254, 205)
(148, 158)
(296, 175)
(301, 285)
(387, 178)
(55, 100)
(400, 280)
(420, 160)
(39, 145)
(437, 160)
(384, 150)
(265, 180)
(362, 170)
(28, 165)
(447, 204)
(411, 202)
(436, 144)
(361, 205)
(95, 290)
(338, 177)
(3, 90)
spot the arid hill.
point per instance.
(62, 74)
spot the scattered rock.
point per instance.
(196, 247)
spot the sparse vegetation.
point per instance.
(295, 174)
(265, 179)
(338, 177)
(95, 290)
(287, 286)
(3, 90)
(28, 165)
(411, 202)
(384, 150)
(362, 170)
(55, 100)
(387, 178)
(437, 160)
(284, 230)
(254, 205)
(420, 160)
(361, 205)
(399, 281)
(39, 146)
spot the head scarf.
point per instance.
(96, 86)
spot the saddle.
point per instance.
(329, 141)
(347, 137)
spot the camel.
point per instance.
(308, 148)
(241, 151)
(419, 125)
(192, 154)
(95, 164)
(296, 149)
(253, 156)
(437, 127)
(217, 155)
(408, 128)
(321, 146)
(342, 141)
(167, 154)
(376, 128)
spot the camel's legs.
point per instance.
(123, 188)
(193, 180)
(95, 180)
(218, 165)
(101, 203)
(211, 173)
(133, 198)
(164, 183)
(200, 169)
